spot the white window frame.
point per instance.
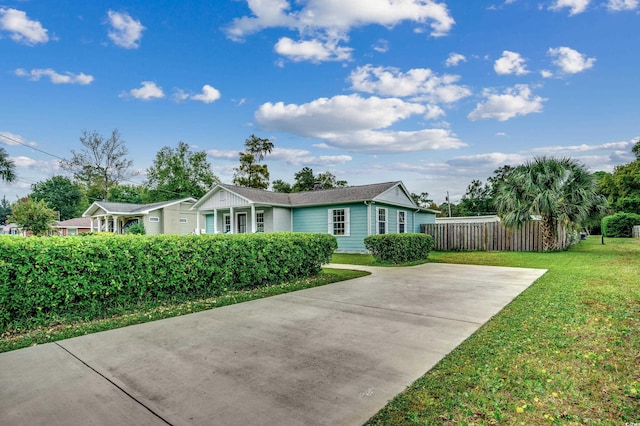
(183, 220)
(260, 224)
(347, 222)
(380, 222)
(226, 223)
(246, 222)
(402, 222)
(154, 219)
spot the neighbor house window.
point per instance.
(227, 223)
(259, 221)
(154, 219)
(382, 221)
(339, 222)
(72, 231)
(183, 220)
(402, 222)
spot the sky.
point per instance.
(433, 93)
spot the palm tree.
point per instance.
(560, 190)
(7, 167)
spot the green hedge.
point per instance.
(42, 279)
(620, 225)
(399, 248)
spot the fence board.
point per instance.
(490, 236)
(636, 231)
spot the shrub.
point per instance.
(85, 278)
(399, 248)
(620, 224)
(136, 229)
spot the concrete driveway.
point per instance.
(331, 355)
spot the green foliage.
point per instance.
(7, 167)
(5, 210)
(306, 180)
(33, 216)
(399, 248)
(628, 205)
(279, 185)
(101, 163)
(251, 173)
(42, 279)
(136, 229)
(179, 173)
(422, 199)
(620, 225)
(132, 194)
(61, 195)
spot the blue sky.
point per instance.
(433, 93)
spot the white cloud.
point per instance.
(421, 82)
(490, 160)
(576, 6)
(42, 166)
(515, 101)
(570, 61)
(324, 23)
(618, 146)
(382, 46)
(56, 78)
(209, 94)
(125, 31)
(510, 63)
(434, 112)
(454, 59)
(354, 123)
(502, 134)
(22, 29)
(312, 50)
(546, 74)
(226, 154)
(297, 157)
(148, 91)
(13, 139)
(620, 5)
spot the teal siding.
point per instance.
(423, 217)
(315, 219)
(209, 219)
(413, 219)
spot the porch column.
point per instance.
(91, 221)
(197, 222)
(99, 223)
(253, 218)
(115, 224)
(233, 221)
(215, 221)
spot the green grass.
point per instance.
(151, 312)
(565, 352)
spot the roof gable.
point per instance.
(127, 208)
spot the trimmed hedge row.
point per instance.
(399, 248)
(620, 225)
(42, 279)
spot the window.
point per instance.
(339, 222)
(72, 231)
(242, 223)
(183, 220)
(227, 223)
(259, 221)
(154, 219)
(402, 222)
(382, 221)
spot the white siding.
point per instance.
(281, 219)
(397, 196)
(223, 199)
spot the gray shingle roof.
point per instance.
(77, 222)
(127, 208)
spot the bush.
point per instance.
(136, 229)
(84, 278)
(399, 248)
(620, 224)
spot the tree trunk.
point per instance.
(548, 229)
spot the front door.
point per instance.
(242, 223)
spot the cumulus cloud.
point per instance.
(490, 160)
(620, 5)
(575, 6)
(570, 61)
(8, 138)
(515, 101)
(23, 30)
(418, 82)
(312, 50)
(209, 94)
(356, 124)
(148, 91)
(454, 59)
(125, 31)
(56, 78)
(226, 154)
(324, 23)
(42, 166)
(510, 63)
(298, 157)
(609, 146)
(382, 46)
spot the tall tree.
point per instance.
(560, 190)
(101, 163)
(251, 173)
(328, 180)
(61, 195)
(279, 185)
(179, 173)
(622, 187)
(132, 194)
(422, 199)
(33, 216)
(7, 167)
(478, 199)
(5, 210)
(304, 180)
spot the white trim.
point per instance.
(379, 222)
(401, 223)
(347, 222)
(154, 219)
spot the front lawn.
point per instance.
(566, 351)
(154, 311)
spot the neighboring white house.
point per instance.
(469, 219)
(166, 217)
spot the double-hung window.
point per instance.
(382, 220)
(226, 223)
(259, 221)
(339, 222)
(402, 222)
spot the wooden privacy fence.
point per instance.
(636, 231)
(489, 236)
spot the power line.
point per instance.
(28, 146)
